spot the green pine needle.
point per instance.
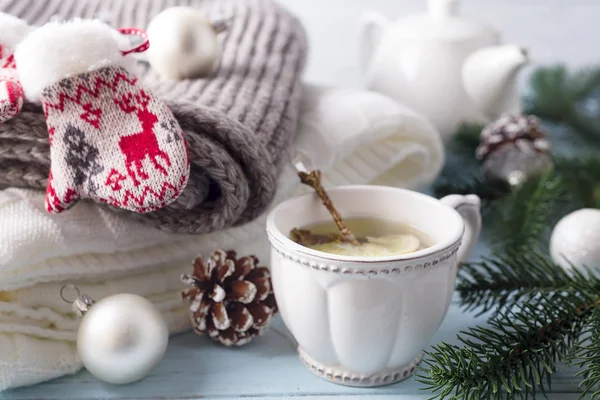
(504, 281)
(546, 96)
(514, 356)
(521, 220)
(466, 139)
(486, 189)
(554, 95)
(581, 179)
(586, 355)
(581, 84)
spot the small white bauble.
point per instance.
(122, 338)
(575, 240)
(183, 44)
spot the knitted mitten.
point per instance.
(110, 139)
(12, 31)
(11, 94)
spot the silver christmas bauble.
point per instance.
(122, 338)
(513, 165)
(575, 240)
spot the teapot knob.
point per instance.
(443, 8)
(373, 26)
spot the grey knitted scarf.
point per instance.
(239, 123)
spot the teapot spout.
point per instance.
(490, 78)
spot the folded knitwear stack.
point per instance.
(244, 126)
(239, 123)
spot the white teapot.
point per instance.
(445, 67)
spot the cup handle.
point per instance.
(468, 207)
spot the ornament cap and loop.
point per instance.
(221, 25)
(81, 303)
(145, 45)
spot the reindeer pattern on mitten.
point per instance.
(111, 141)
(7, 58)
(141, 145)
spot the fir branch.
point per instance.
(466, 139)
(545, 96)
(583, 83)
(581, 179)
(488, 190)
(586, 355)
(502, 282)
(518, 350)
(586, 127)
(555, 95)
(510, 358)
(520, 220)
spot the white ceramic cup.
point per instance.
(363, 321)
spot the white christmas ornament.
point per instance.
(575, 240)
(121, 338)
(183, 43)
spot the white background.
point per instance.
(554, 31)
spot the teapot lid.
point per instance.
(443, 22)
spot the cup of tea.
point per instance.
(365, 320)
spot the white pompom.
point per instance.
(60, 50)
(575, 240)
(183, 44)
(12, 31)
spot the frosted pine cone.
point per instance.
(521, 131)
(231, 299)
(514, 149)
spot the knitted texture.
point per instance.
(239, 123)
(91, 241)
(112, 141)
(11, 94)
(12, 31)
(7, 59)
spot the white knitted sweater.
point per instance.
(354, 137)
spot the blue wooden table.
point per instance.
(267, 368)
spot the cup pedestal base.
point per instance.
(342, 376)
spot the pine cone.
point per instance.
(231, 299)
(520, 130)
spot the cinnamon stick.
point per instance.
(313, 179)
